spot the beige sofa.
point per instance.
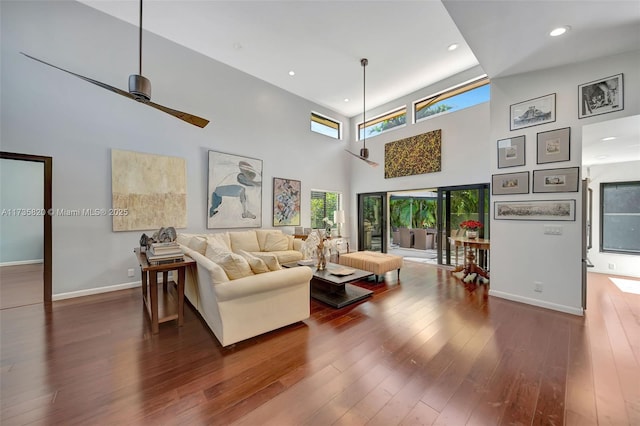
(239, 300)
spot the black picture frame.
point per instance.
(601, 96)
(533, 112)
(536, 210)
(564, 179)
(511, 152)
(553, 146)
(510, 183)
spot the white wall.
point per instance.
(520, 252)
(47, 112)
(624, 264)
(21, 203)
(464, 155)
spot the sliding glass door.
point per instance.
(457, 204)
(372, 220)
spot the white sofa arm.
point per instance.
(260, 283)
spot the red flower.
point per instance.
(471, 224)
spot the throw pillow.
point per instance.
(276, 241)
(244, 240)
(234, 265)
(198, 244)
(257, 265)
(270, 259)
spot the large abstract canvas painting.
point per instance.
(413, 156)
(286, 202)
(234, 198)
(151, 189)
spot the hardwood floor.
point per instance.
(426, 350)
(21, 285)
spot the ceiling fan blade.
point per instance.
(189, 118)
(369, 162)
(90, 80)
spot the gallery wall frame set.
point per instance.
(549, 210)
(286, 202)
(234, 196)
(511, 152)
(556, 180)
(554, 146)
(601, 96)
(510, 183)
(533, 112)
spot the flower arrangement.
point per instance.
(471, 225)
(328, 224)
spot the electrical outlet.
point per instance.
(131, 272)
(537, 286)
(612, 266)
(553, 229)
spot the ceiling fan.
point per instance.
(364, 152)
(139, 87)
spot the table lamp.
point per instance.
(338, 218)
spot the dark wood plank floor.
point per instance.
(21, 285)
(425, 350)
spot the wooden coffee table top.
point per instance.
(328, 276)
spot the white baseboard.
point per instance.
(22, 262)
(535, 302)
(98, 290)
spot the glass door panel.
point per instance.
(372, 232)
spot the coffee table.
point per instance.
(335, 290)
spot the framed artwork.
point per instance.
(557, 210)
(414, 155)
(601, 96)
(511, 152)
(151, 188)
(510, 183)
(286, 202)
(554, 146)
(234, 198)
(533, 112)
(556, 180)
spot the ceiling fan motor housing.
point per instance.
(364, 152)
(140, 88)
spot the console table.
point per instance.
(165, 303)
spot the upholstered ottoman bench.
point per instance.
(374, 262)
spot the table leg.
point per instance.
(181, 274)
(165, 279)
(153, 294)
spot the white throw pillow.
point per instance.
(198, 244)
(221, 238)
(258, 266)
(276, 241)
(234, 265)
(270, 259)
(244, 240)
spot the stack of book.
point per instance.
(164, 253)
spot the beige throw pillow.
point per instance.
(198, 244)
(270, 259)
(258, 266)
(234, 265)
(276, 241)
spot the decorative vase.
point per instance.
(322, 260)
(472, 234)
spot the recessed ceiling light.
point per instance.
(346, 99)
(292, 73)
(609, 138)
(602, 157)
(452, 47)
(559, 31)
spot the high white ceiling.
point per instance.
(405, 41)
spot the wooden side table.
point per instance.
(161, 304)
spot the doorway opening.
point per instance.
(43, 211)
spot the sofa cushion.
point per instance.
(276, 241)
(234, 265)
(258, 266)
(221, 238)
(198, 244)
(270, 259)
(244, 240)
(287, 256)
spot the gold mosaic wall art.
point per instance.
(413, 156)
(152, 189)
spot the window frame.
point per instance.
(323, 117)
(399, 111)
(603, 186)
(325, 214)
(458, 89)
